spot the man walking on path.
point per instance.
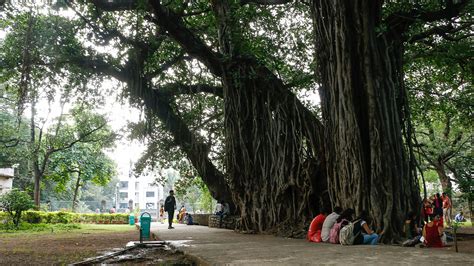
(170, 206)
(447, 209)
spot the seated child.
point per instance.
(459, 217)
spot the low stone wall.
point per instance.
(201, 219)
(228, 222)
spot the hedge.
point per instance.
(36, 217)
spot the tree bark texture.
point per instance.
(444, 179)
(363, 104)
(272, 141)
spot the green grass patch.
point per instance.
(32, 228)
(107, 227)
(466, 224)
(8, 230)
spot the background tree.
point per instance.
(34, 75)
(14, 202)
(439, 81)
(80, 165)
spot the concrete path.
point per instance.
(212, 246)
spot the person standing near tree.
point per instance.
(438, 208)
(170, 206)
(447, 209)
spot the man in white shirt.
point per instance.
(219, 208)
(329, 222)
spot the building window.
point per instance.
(123, 205)
(150, 194)
(137, 185)
(123, 195)
(123, 184)
(150, 205)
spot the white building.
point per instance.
(142, 193)
(6, 179)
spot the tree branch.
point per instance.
(442, 31)
(80, 139)
(175, 89)
(266, 2)
(192, 44)
(165, 66)
(400, 21)
(106, 33)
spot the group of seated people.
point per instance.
(431, 235)
(327, 228)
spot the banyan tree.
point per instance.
(282, 162)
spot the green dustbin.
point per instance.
(131, 219)
(145, 224)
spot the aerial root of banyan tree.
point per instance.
(271, 160)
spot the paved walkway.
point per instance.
(212, 246)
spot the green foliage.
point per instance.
(39, 227)
(40, 217)
(439, 77)
(15, 202)
(193, 190)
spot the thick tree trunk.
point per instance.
(34, 156)
(444, 179)
(362, 97)
(37, 185)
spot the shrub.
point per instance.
(38, 217)
(61, 218)
(32, 217)
(14, 203)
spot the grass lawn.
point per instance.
(47, 229)
(62, 244)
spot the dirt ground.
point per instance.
(60, 248)
(465, 241)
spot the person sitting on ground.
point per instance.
(411, 230)
(341, 221)
(432, 233)
(459, 218)
(329, 222)
(181, 214)
(314, 232)
(367, 236)
(219, 208)
(189, 219)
